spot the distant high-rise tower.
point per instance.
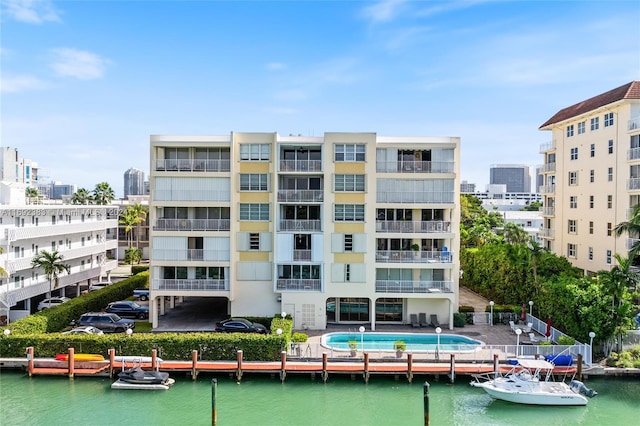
(133, 182)
(516, 177)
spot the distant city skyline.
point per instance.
(84, 105)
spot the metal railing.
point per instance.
(192, 225)
(415, 167)
(409, 256)
(408, 226)
(298, 284)
(301, 195)
(410, 286)
(191, 165)
(300, 166)
(190, 284)
(300, 225)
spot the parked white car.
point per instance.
(84, 330)
(52, 302)
(99, 285)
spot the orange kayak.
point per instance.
(80, 357)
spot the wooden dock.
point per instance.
(363, 367)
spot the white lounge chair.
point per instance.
(533, 337)
(527, 329)
(513, 326)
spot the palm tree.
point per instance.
(632, 228)
(32, 194)
(81, 196)
(514, 234)
(103, 194)
(140, 213)
(132, 255)
(128, 218)
(51, 263)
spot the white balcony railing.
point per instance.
(400, 226)
(547, 189)
(548, 211)
(300, 225)
(633, 154)
(415, 166)
(300, 165)
(302, 255)
(394, 286)
(547, 233)
(548, 167)
(298, 284)
(191, 285)
(61, 228)
(633, 124)
(547, 146)
(191, 255)
(193, 165)
(192, 225)
(633, 184)
(301, 195)
(410, 256)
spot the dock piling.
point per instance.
(239, 368)
(410, 367)
(425, 398)
(71, 362)
(30, 360)
(325, 372)
(154, 359)
(194, 364)
(283, 365)
(452, 374)
(112, 360)
(214, 394)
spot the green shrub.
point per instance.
(459, 319)
(464, 308)
(299, 338)
(400, 346)
(136, 269)
(566, 340)
(545, 343)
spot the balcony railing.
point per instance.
(191, 285)
(193, 165)
(298, 284)
(548, 167)
(547, 146)
(400, 226)
(409, 256)
(300, 165)
(633, 154)
(192, 225)
(547, 233)
(395, 286)
(300, 225)
(301, 195)
(415, 167)
(633, 124)
(61, 228)
(548, 211)
(302, 255)
(633, 184)
(191, 255)
(547, 189)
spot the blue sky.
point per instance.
(85, 83)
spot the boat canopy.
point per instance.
(536, 364)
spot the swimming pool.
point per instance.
(416, 342)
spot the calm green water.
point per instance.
(259, 400)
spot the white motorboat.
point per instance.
(137, 378)
(531, 382)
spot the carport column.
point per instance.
(372, 316)
(153, 312)
(450, 314)
(161, 304)
(172, 302)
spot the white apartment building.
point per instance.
(592, 177)
(342, 228)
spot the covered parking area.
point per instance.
(185, 314)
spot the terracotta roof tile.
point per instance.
(628, 91)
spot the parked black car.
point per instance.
(107, 322)
(128, 309)
(240, 325)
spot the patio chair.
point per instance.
(527, 328)
(513, 326)
(414, 320)
(434, 320)
(422, 317)
(533, 338)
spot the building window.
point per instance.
(349, 152)
(610, 146)
(610, 174)
(608, 257)
(573, 202)
(591, 228)
(347, 272)
(590, 253)
(595, 123)
(572, 227)
(608, 119)
(570, 130)
(573, 178)
(254, 211)
(574, 153)
(609, 201)
(253, 182)
(609, 229)
(255, 152)
(581, 127)
(590, 201)
(592, 176)
(53, 220)
(349, 213)
(593, 149)
(348, 242)
(254, 241)
(349, 183)
(572, 250)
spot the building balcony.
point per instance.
(631, 242)
(300, 166)
(415, 167)
(410, 256)
(547, 233)
(298, 284)
(547, 189)
(193, 165)
(61, 228)
(302, 195)
(547, 146)
(633, 124)
(192, 225)
(633, 154)
(548, 168)
(548, 211)
(400, 226)
(300, 225)
(633, 184)
(191, 255)
(302, 255)
(190, 285)
(395, 286)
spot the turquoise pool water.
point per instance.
(416, 342)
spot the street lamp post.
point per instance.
(518, 333)
(491, 317)
(283, 314)
(531, 307)
(361, 329)
(591, 336)
(438, 331)
(7, 332)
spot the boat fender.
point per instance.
(579, 387)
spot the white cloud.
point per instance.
(276, 66)
(20, 83)
(76, 63)
(30, 11)
(383, 11)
